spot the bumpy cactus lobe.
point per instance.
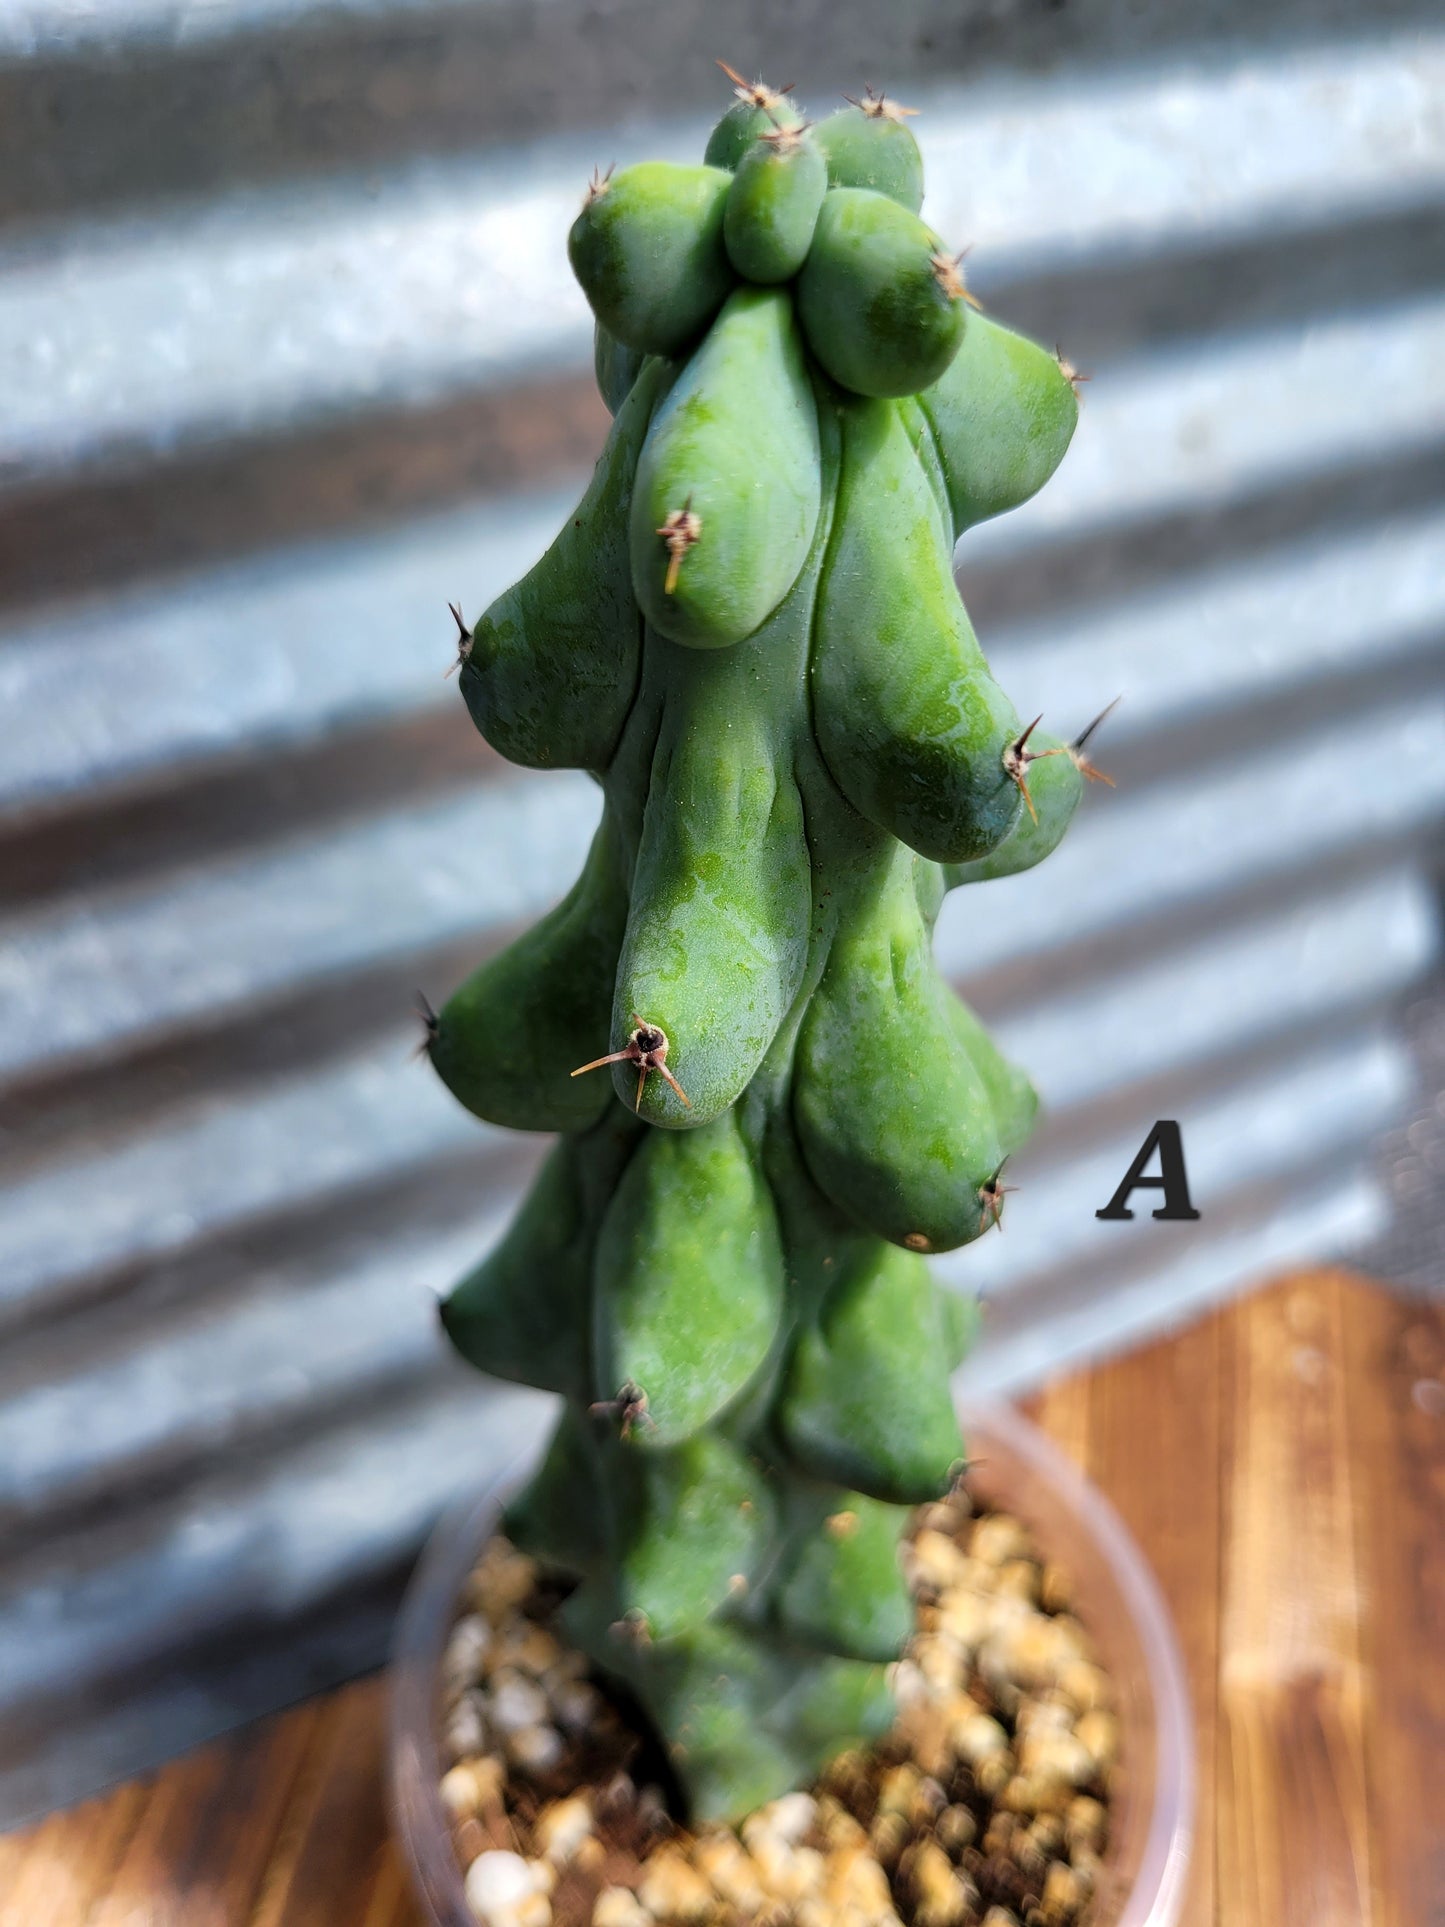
(773, 206)
(744, 395)
(750, 634)
(877, 296)
(648, 249)
(868, 144)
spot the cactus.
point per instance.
(750, 634)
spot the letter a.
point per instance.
(1172, 1180)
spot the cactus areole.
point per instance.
(770, 1105)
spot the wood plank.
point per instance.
(337, 1862)
(211, 1820)
(1061, 1408)
(55, 1874)
(1293, 1833)
(1394, 1374)
(1155, 1450)
(1282, 1465)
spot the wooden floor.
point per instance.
(1282, 1464)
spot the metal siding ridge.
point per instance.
(252, 1543)
(1324, 1220)
(206, 1168)
(1347, 948)
(1182, 842)
(255, 309)
(203, 1171)
(240, 319)
(223, 1370)
(220, 1376)
(1200, 425)
(1317, 1106)
(1169, 153)
(112, 27)
(137, 962)
(141, 962)
(1237, 633)
(157, 684)
(278, 1547)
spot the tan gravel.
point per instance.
(987, 1805)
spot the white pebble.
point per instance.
(977, 1735)
(1086, 1824)
(619, 1907)
(1020, 1577)
(898, 1789)
(1099, 1732)
(1064, 1893)
(907, 1683)
(503, 1890)
(787, 1873)
(792, 1816)
(516, 1702)
(964, 1618)
(533, 1650)
(576, 1703)
(563, 1826)
(467, 1648)
(467, 1788)
(673, 1890)
(939, 1660)
(458, 1791)
(720, 1858)
(935, 1561)
(502, 1581)
(1028, 1653)
(466, 1729)
(1084, 1684)
(535, 1749)
(1044, 1716)
(997, 1538)
(1058, 1756)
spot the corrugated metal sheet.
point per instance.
(291, 356)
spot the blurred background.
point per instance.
(289, 356)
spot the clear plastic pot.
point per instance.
(1018, 1469)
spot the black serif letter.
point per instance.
(1172, 1179)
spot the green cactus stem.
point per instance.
(750, 634)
